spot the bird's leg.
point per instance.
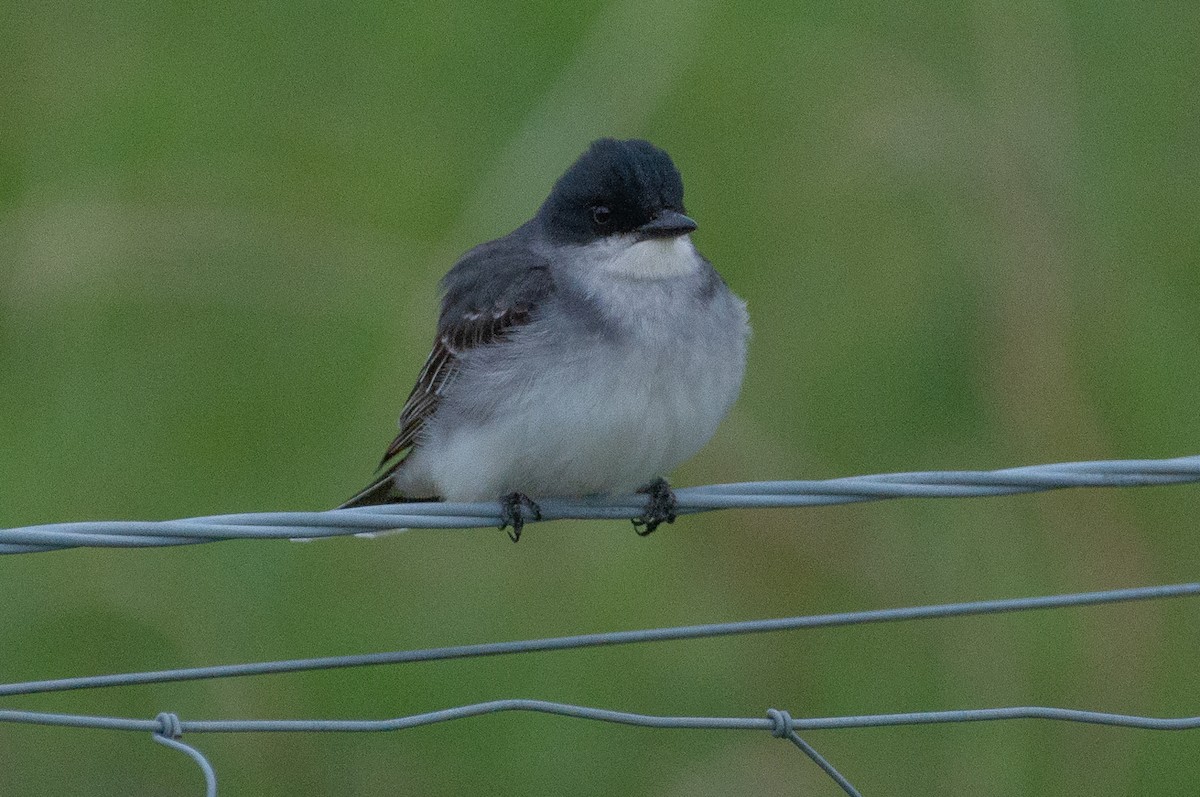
(515, 509)
(659, 509)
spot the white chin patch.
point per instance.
(655, 258)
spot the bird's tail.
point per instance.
(380, 491)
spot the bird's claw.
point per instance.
(660, 508)
(515, 510)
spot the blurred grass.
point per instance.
(968, 238)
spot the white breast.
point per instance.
(656, 258)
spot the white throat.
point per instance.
(653, 259)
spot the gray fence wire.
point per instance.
(746, 495)
(167, 728)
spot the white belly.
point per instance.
(599, 418)
(581, 430)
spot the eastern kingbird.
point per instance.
(589, 351)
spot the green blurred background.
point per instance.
(968, 237)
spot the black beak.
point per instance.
(667, 224)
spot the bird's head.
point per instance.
(617, 188)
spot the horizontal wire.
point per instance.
(780, 724)
(457, 515)
(604, 715)
(608, 638)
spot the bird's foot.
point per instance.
(515, 510)
(659, 509)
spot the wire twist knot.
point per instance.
(783, 725)
(169, 725)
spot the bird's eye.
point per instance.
(601, 214)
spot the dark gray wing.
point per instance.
(495, 288)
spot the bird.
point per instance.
(588, 352)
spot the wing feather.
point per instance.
(492, 291)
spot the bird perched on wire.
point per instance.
(589, 351)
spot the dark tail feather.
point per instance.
(380, 491)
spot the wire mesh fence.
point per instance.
(167, 728)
